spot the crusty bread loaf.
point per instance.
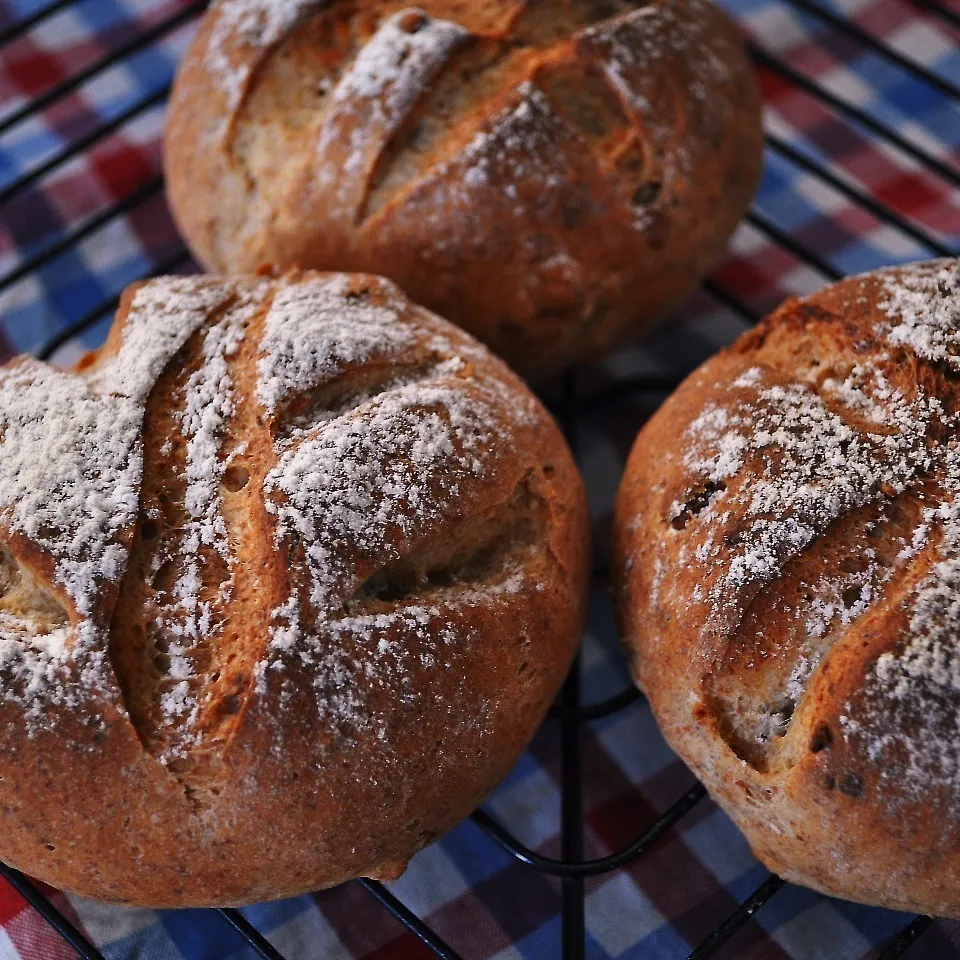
(788, 578)
(551, 176)
(290, 573)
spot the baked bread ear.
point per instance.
(289, 574)
(788, 572)
(551, 176)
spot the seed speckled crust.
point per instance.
(788, 567)
(552, 176)
(290, 571)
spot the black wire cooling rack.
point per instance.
(573, 714)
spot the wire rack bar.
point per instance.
(78, 79)
(82, 144)
(572, 904)
(719, 292)
(150, 189)
(590, 868)
(168, 265)
(907, 937)
(71, 935)
(850, 29)
(254, 938)
(882, 212)
(19, 27)
(631, 385)
(603, 708)
(573, 908)
(785, 240)
(652, 383)
(737, 919)
(938, 10)
(410, 920)
(858, 116)
(666, 384)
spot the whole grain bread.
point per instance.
(788, 575)
(289, 573)
(551, 176)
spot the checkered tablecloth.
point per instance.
(484, 903)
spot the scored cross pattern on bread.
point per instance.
(789, 580)
(287, 548)
(592, 155)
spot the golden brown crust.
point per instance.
(322, 627)
(551, 176)
(787, 556)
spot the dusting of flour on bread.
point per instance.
(516, 147)
(908, 721)
(356, 484)
(162, 317)
(70, 468)
(365, 477)
(315, 329)
(786, 451)
(638, 47)
(359, 475)
(813, 467)
(71, 464)
(923, 305)
(374, 97)
(260, 25)
(189, 617)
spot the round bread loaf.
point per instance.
(788, 579)
(550, 175)
(290, 573)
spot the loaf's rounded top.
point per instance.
(282, 539)
(789, 561)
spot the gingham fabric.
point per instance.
(479, 899)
